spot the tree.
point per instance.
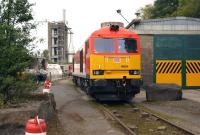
(146, 12)
(164, 8)
(169, 8)
(189, 8)
(15, 26)
(45, 54)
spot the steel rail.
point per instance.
(164, 120)
(122, 124)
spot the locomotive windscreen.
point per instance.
(124, 45)
(104, 45)
(127, 45)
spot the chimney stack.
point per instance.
(64, 15)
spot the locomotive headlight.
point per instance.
(98, 72)
(134, 72)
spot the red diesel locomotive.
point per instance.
(108, 66)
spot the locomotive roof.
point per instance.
(106, 32)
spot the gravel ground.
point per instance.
(75, 113)
(185, 113)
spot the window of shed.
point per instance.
(104, 45)
(127, 45)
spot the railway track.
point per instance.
(122, 124)
(136, 120)
(170, 123)
(111, 110)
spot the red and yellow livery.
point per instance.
(109, 64)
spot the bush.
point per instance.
(12, 88)
(1, 100)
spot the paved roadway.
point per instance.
(76, 113)
(193, 95)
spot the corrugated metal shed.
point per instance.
(175, 25)
(169, 50)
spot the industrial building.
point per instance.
(58, 42)
(170, 50)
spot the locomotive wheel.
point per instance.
(76, 83)
(82, 86)
(129, 98)
(88, 89)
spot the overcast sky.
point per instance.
(83, 16)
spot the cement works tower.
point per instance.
(58, 46)
(58, 42)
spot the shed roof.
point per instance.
(173, 25)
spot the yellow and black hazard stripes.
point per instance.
(169, 71)
(170, 67)
(193, 73)
(193, 66)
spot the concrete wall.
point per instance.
(146, 42)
